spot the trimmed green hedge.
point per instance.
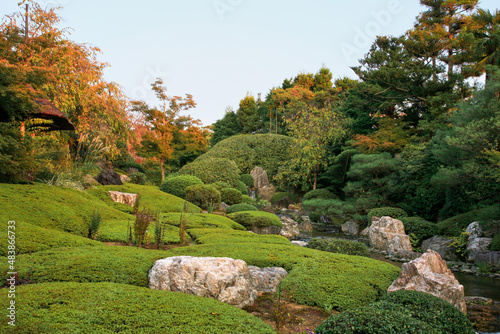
(223, 236)
(318, 194)
(231, 196)
(280, 195)
(255, 218)
(395, 213)
(102, 308)
(202, 220)
(203, 196)
(241, 207)
(340, 246)
(177, 185)
(453, 226)
(400, 312)
(420, 227)
(242, 188)
(247, 179)
(211, 170)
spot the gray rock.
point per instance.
(223, 206)
(108, 176)
(365, 232)
(476, 246)
(491, 258)
(350, 227)
(290, 228)
(267, 279)
(266, 230)
(430, 274)
(440, 245)
(306, 225)
(124, 178)
(388, 234)
(474, 230)
(260, 178)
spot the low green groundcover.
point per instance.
(255, 218)
(224, 236)
(201, 220)
(118, 308)
(118, 231)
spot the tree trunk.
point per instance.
(315, 180)
(162, 166)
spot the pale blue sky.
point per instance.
(218, 50)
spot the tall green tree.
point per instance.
(248, 115)
(225, 127)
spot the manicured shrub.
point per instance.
(256, 219)
(203, 196)
(230, 196)
(395, 213)
(280, 195)
(421, 228)
(138, 178)
(318, 194)
(495, 243)
(241, 207)
(220, 185)
(177, 185)
(211, 170)
(401, 312)
(242, 188)
(247, 179)
(341, 246)
(202, 220)
(247, 199)
(118, 308)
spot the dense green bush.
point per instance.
(202, 220)
(211, 170)
(421, 228)
(177, 185)
(453, 226)
(400, 312)
(341, 246)
(247, 200)
(495, 243)
(241, 207)
(242, 188)
(203, 196)
(318, 194)
(247, 179)
(280, 195)
(231, 196)
(105, 308)
(138, 178)
(219, 185)
(256, 219)
(132, 164)
(395, 213)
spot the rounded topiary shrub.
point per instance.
(177, 185)
(242, 188)
(280, 195)
(247, 199)
(241, 207)
(231, 196)
(318, 194)
(421, 228)
(211, 170)
(395, 213)
(138, 178)
(251, 219)
(400, 312)
(247, 179)
(342, 246)
(220, 185)
(203, 196)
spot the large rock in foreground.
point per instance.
(388, 234)
(227, 280)
(430, 274)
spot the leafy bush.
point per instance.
(495, 243)
(230, 196)
(400, 312)
(255, 219)
(247, 199)
(138, 178)
(241, 207)
(132, 164)
(421, 228)
(247, 179)
(142, 221)
(211, 170)
(242, 188)
(111, 308)
(395, 213)
(177, 185)
(95, 222)
(318, 194)
(203, 196)
(202, 220)
(220, 185)
(341, 246)
(280, 195)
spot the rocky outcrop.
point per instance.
(125, 178)
(221, 278)
(267, 279)
(124, 198)
(477, 246)
(306, 224)
(430, 274)
(289, 228)
(388, 234)
(440, 245)
(227, 280)
(350, 227)
(261, 183)
(108, 176)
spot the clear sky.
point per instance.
(218, 50)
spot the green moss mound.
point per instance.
(203, 195)
(340, 246)
(211, 170)
(247, 179)
(400, 312)
(241, 207)
(242, 187)
(31, 238)
(202, 220)
(220, 236)
(395, 213)
(247, 151)
(118, 308)
(251, 219)
(177, 185)
(421, 228)
(318, 194)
